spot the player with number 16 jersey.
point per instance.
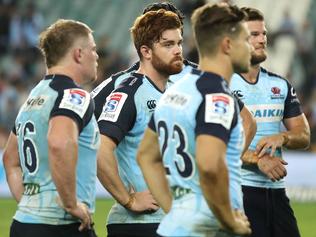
(55, 95)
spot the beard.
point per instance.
(167, 68)
(256, 59)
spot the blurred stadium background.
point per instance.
(291, 46)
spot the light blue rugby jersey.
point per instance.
(270, 99)
(55, 95)
(102, 91)
(199, 104)
(124, 119)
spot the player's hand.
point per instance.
(273, 167)
(144, 202)
(270, 142)
(81, 211)
(242, 225)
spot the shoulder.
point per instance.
(211, 83)
(282, 81)
(272, 74)
(131, 83)
(69, 91)
(189, 63)
(106, 86)
(60, 83)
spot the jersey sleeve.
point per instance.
(216, 115)
(119, 113)
(292, 106)
(100, 93)
(76, 104)
(239, 102)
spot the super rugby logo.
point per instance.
(219, 109)
(76, 100)
(113, 102)
(220, 104)
(113, 107)
(77, 97)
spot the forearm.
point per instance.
(13, 168)
(250, 128)
(108, 175)
(155, 176)
(15, 182)
(297, 135)
(215, 187)
(296, 139)
(63, 159)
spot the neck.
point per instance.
(218, 65)
(66, 70)
(251, 76)
(159, 79)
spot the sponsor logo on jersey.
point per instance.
(276, 93)
(151, 104)
(76, 100)
(267, 112)
(219, 108)
(221, 104)
(175, 99)
(238, 93)
(77, 97)
(113, 106)
(34, 102)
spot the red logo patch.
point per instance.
(275, 90)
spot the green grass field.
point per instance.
(305, 214)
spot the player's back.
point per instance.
(175, 120)
(50, 98)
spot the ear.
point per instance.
(77, 55)
(226, 45)
(146, 52)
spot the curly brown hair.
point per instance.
(148, 28)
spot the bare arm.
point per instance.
(12, 167)
(150, 161)
(63, 154)
(250, 126)
(108, 171)
(109, 177)
(297, 136)
(215, 184)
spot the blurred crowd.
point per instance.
(22, 66)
